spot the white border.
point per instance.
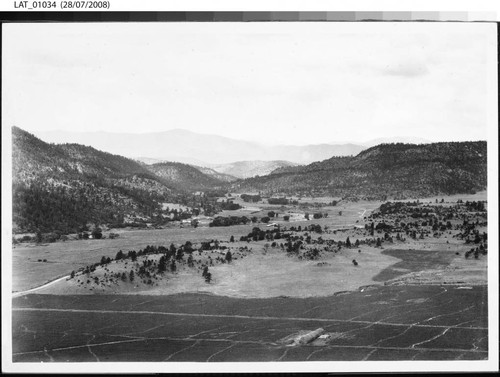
(366, 366)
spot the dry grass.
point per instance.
(256, 274)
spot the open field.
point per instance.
(430, 323)
(63, 257)
(254, 275)
(259, 274)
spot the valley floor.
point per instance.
(257, 274)
(417, 299)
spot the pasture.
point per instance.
(64, 257)
(431, 323)
(254, 274)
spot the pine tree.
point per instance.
(208, 277)
(205, 271)
(162, 265)
(179, 255)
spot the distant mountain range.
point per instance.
(198, 149)
(384, 171)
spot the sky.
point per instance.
(274, 82)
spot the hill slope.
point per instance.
(184, 177)
(387, 170)
(215, 174)
(66, 187)
(248, 169)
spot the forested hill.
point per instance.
(65, 187)
(384, 171)
(185, 177)
(248, 169)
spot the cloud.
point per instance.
(295, 83)
(409, 68)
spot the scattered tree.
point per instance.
(348, 242)
(162, 264)
(97, 233)
(208, 277)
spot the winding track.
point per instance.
(32, 290)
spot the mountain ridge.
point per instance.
(387, 170)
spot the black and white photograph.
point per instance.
(318, 194)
